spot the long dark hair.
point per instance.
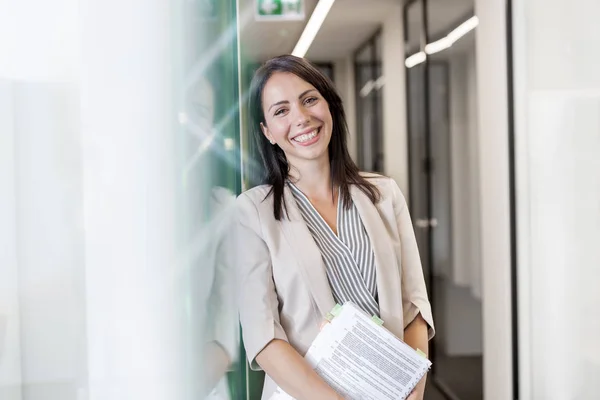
(344, 171)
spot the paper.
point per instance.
(362, 360)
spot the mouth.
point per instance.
(307, 138)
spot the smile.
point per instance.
(307, 137)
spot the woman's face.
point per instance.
(297, 118)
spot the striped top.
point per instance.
(348, 256)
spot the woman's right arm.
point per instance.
(292, 373)
(266, 342)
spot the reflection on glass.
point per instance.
(455, 264)
(369, 87)
(443, 149)
(118, 162)
(418, 150)
(210, 180)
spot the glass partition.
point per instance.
(207, 81)
(442, 123)
(369, 87)
(119, 163)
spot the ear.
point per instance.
(266, 132)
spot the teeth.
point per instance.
(306, 136)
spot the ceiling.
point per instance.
(348, 25)
(445, 15)
(261, 40)
(466, 44)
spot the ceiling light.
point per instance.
(364, 92)
(312, 27)
(438, 45)
(443, 43)
(463, 29)
(415, 59)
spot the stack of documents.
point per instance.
(362, 360)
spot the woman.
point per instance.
(318, 233)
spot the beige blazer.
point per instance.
(283, 288)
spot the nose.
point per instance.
(303, 117)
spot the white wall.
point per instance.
(42, 323)
(462, 286)
(50, 246)
(474, 188)
(492, 88)
(88, 274)
(462, 333)
(395, 135)
(345, 83)
(557, 98)
(10, 333)
(133, 289)
(465, 173)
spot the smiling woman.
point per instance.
(299, 124)
(316, 233)
(289, 98)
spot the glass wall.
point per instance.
(444, 202)
(210, 178)
(119, 137)
(369, 90)
(557, 142)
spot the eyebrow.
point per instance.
(287, 102)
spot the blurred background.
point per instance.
(124, 142)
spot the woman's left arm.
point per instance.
(415, 335)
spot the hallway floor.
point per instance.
(462, 375)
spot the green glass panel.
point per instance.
(207, 120)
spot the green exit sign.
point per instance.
(279, 10)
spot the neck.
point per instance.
(313, 178)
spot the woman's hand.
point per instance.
(292, 372)
(415, 335)
(415, 395)
(419, 390)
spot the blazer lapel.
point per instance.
(388, 272)
(307, 254)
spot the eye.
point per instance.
(279, 112)
(310, 100)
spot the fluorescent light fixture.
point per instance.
(312, 27)
(463, 29)
(372, 85)
(443, 43)
(438, 45)
(380, 82)
(415, 59)
(364, 92)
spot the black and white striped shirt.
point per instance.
(348, 257)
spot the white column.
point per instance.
(557, 90)
(494, 203)
(459, 145)
(473, 177)
(90, 299)
(345, 84)
(132, 276)
(10, 337)
(41, 209)
(395, 137)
